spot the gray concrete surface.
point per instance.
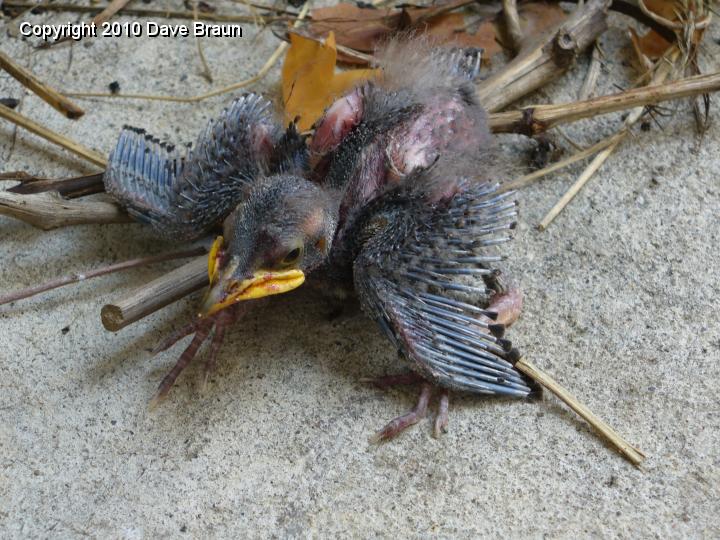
(621, 306)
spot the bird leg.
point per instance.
(401, 423)
(507, 305)
(442, 418)
(202, 329)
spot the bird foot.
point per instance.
(202, 329)
(393, 428)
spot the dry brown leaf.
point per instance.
(536, 17)
(355, 27)
(665, 8)
(652, 45)
(362, 28)
(309, 81)
(452, 28)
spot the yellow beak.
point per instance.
(225, 291)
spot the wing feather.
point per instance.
(406, 278)
(184, 197)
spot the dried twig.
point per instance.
(193, 99)
(353, 54)
(512, 23)
(659, 76)
(534, 120)
(45, 133)
(594, 165)
(633, 454)
(70, 188)
(206, 73)
(50, 211)
(673, 25)
(530, 178)
(48, 94)
(588, 87)
(155, 295)
(539, 64)
(111, 9)
(82, 276)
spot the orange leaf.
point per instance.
(309, 81)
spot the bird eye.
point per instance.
(292, 256)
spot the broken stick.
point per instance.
(155, 295)
(70, 188)
(547, 59)
(534, 120)
(49, 210)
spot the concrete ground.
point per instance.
(621, 307)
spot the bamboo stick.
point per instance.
(155, 295)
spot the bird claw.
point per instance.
(202, 329)
(167, 342)
(442, 419)
(396, 426)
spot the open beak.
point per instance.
(225, 290)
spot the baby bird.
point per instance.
(393, 199)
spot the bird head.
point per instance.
(281, 232)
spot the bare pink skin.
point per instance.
(401, 423)
(339, 119)
(417, 144)
(508, 306)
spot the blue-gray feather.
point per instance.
(405, 277)
(182, 198)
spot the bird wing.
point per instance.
(184, 197)
(406, 279)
